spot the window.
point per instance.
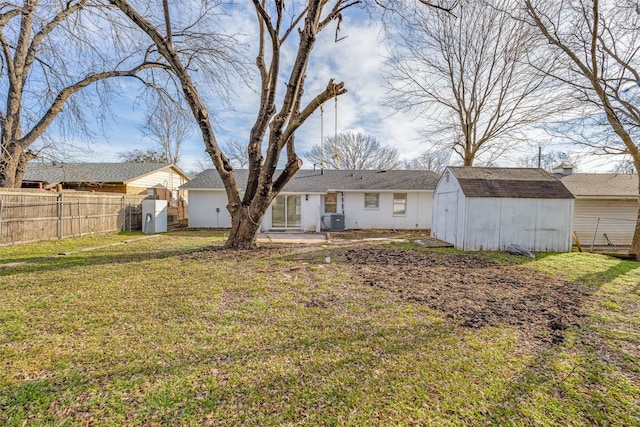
(331, 203)
(371, 200)
(399, 203)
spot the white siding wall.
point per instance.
(167, 178)
(418, 211)
(203, 204)
(617, 219)
(202, 209)
(541, 225)
(311, 212)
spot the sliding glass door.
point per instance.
(285, 212)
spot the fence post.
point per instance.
(594, 233)
(60, 215)
(123, 227)
(0, 219)
(79, 220)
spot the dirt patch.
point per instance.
(375, 234)
(472, 290)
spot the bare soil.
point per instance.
(471, 290)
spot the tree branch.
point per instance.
(63, 95)
(332, 90)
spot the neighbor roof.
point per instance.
(602, 184)
(310, 181)
(92, 172)
(509, 182)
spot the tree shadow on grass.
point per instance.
(61, 262)
(603, 277)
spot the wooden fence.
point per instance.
(35, 215)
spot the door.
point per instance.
(285, 212)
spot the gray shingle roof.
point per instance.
(602, 184)
(90, 172)
(310, 181)
(510, 182)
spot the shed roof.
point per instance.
(605, 185)
(93, 172)
(311, 181)
(510, 182)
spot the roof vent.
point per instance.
(563, 168)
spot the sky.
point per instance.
(357, 60)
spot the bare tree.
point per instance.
(168, 126)
(433, 159)
(201, 164)
(625, 166)
(466, 73)
(596, 46)
(353, 151)
(549, 160)
(144, 156)
(281, 111)
(47, 56)
(236, 150)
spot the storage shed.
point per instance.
(492, 208)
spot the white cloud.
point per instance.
(357, 60)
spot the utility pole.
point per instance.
(539, 156)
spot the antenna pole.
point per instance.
(321, 136)
(335, 133)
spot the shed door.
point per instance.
(447, 220)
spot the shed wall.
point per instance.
(541, 225)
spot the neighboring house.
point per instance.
(492, 208)
(154, 179)
(325, 199)
(606, 207)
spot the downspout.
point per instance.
(417, 209)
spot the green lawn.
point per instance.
(158, 332)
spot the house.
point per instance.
(158, 180)
(492, 208)
(325, 199)
(606, 207)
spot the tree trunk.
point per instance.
(244, 229)
(635, 242)
(9, 169)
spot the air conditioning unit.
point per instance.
(337, 222)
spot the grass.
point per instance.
(151, 333)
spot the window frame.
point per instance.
(396, 204)
(377, 201)
(331, 203)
